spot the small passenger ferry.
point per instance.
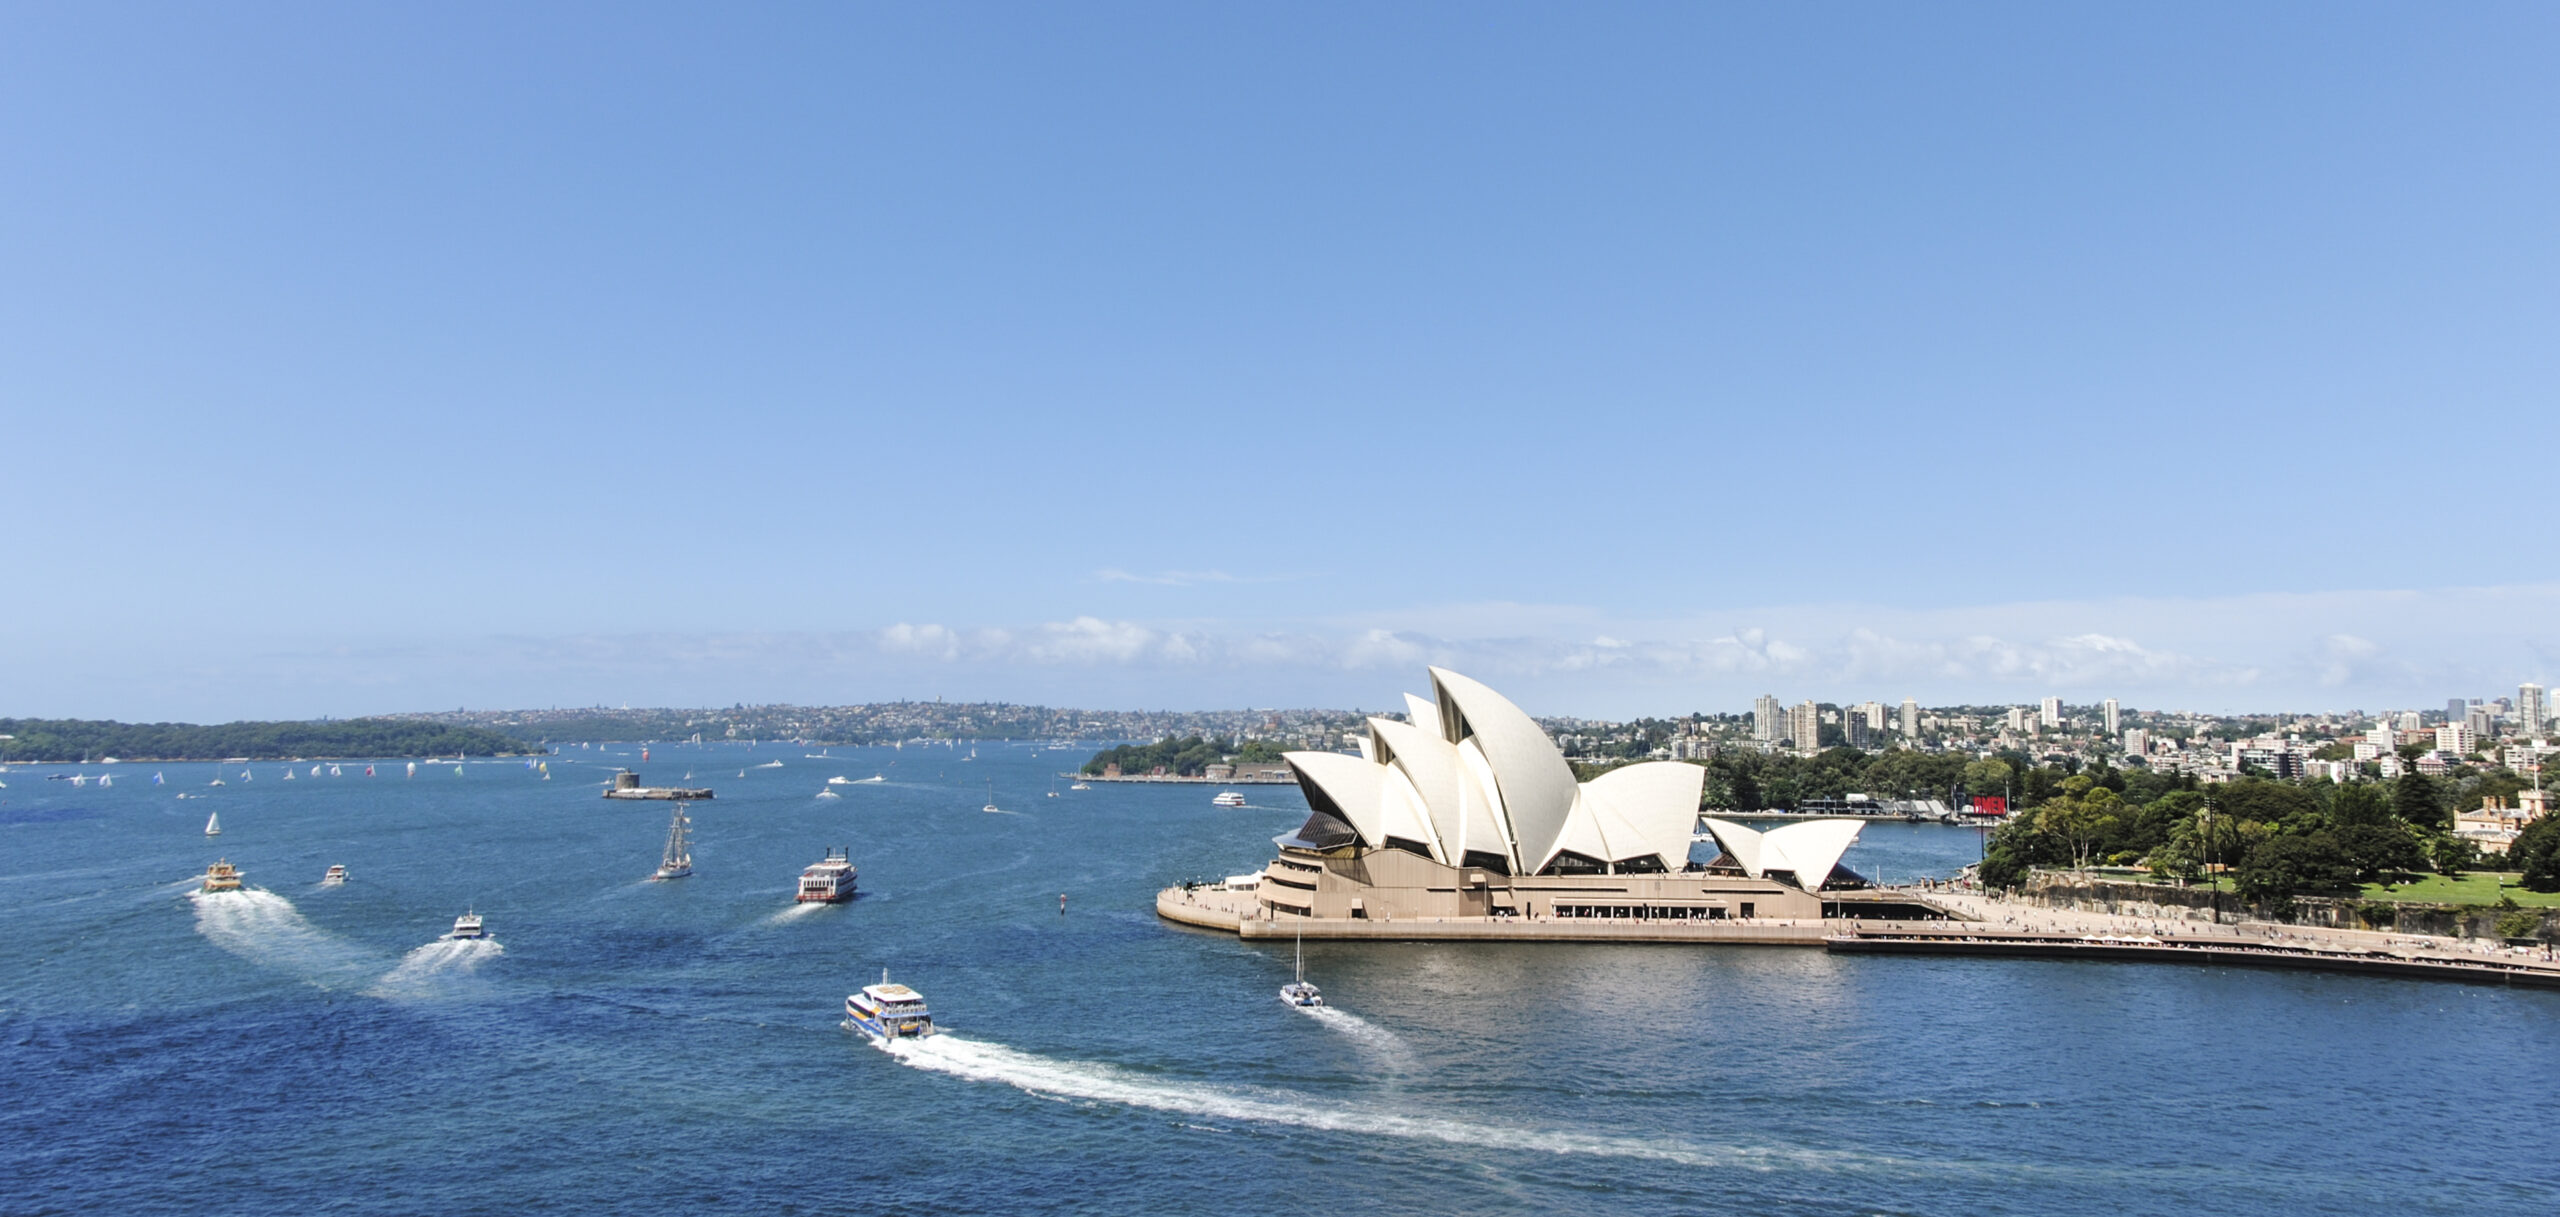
(467, 926)
(337, 875)
(885, 1011)
(222, 876)
(830, 881)
(1228, 798)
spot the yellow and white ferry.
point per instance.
(888, 1011)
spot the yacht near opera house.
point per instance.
(1466, 822)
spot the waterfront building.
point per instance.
(1469, 810)
(2112, 725)
(2050, 715)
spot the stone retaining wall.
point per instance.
(2201, 904)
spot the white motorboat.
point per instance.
(337, 875)
(1228, 798)
(467, 926)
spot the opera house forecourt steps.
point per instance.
(1465, 822)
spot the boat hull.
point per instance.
(1301, 995)
(886, 1029)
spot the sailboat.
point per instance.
(213, 825)
(678, 861)
(1299, 992)
(991, 797)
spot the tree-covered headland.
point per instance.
(1188, 756)
(2273, 840)
(78, 740)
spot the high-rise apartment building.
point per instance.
(2529, 709)
(2456, 738)
(2051, 715)
(1911, 716)
(2456, 709)
(2136, 741)
(2482, 721)
(2409, 720)
(1768, 720)
(1804, 726)
(1873, 712)
(2112, 725)
(2017, 718)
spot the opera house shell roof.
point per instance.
(1472, 781)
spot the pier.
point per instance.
(2408, 963)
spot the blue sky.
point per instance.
(356, 358)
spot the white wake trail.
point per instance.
(793, 913)
(1385, 1049)
(265, 928)
(947, 1053)
(442, 968)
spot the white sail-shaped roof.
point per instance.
(1809, 850)
(1534, 783)
(1658, 803)
(1431, 764)
(1422, 713)
(1349, 784)
(1473, 775)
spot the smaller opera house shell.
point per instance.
(1469, 810)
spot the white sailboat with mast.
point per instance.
(1298, 992)
(678, 860)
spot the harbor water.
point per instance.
(619, 1045)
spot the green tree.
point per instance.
(2415, 799)
(2536, 852)
(1987, 778)
(2281, 868)
(2452, 855)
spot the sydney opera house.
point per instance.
(1468, 810)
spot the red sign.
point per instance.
(1991, 805)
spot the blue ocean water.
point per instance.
(630, 1046)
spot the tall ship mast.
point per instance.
(678, 861)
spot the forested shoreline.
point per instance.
(40, 740)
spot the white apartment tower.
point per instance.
(2529, 709)
(1911, 716)
(1804, 726)
(2050, 716)
(2113, 727)
(1768, 720)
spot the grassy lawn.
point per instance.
(2478, 887)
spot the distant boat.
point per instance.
(770, 765)
(247, 776)
(1081, 785)
(467, 926)
(216, 782)
(222, 876)
(828, 794)
(991, 797)
(315, 771)
(413, 769)
(678, 860)
(368, 771)
(158, 780)
(337, 875)
(336, 772)
(79, 779)
(288, 775)
(869, 780)
(213, 825)
(839, 780)
(1228, 798)
(106, 779)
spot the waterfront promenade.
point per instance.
(1236, 912)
